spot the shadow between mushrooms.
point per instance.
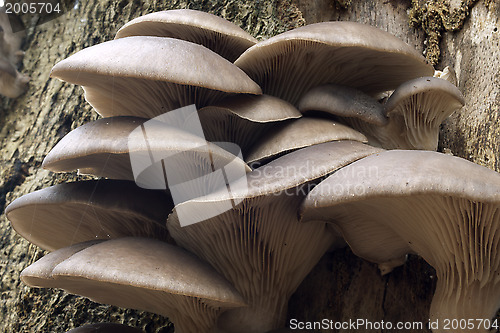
(444, 208)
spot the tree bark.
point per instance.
(342, 286)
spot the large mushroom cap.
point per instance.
(242, 119)
(444, 208)
(70, 213)
(142, 274)
(298, 134)
(213, 32)
(113, 147)
(147, 76)
(345, 53)
(259, 245)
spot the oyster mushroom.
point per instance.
(260, 246)
(217, 34)
(146, 76)
(69, 213)
(444, 208)
(346, 53)
(143, 274)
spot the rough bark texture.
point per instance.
(342, 287)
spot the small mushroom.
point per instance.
(143, 274)
(260, 246)
(69, 213)
(344, 53)
(444, 208)
(146, 76)
(217, 34)
(298, 134)
(242, 119)
(105, 328)
(109, 147)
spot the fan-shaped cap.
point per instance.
(242, 119)
(417, 108)
(147, 76)
(444, 208)
(344, 102)
(344, 53)
(145, 274)
(213, 32)
(104, 148)
(105, 328)
(260, 246)
(298, 134)
(70, 213)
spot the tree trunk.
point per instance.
(342, 287)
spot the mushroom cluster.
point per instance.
(305, 109)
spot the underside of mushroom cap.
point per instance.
(444, 208)
(260, 246)
(147, 275)
(416, 109)
(147, 76)
(242, 119)
(70, 213)
(213, 32)
(345, 53)
(297, 134)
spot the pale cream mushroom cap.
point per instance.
(147, 76)
(213, 32)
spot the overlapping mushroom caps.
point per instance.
(260, 246)
(172, 59)
(444, 208)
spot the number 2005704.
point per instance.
(32, 8)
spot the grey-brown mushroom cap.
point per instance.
(213, 32)
(105, 328)
(443, 89)
(105, 147)
(342, 101)
(259, 245)
(345, 53)
(243, 119)
(39, 274)
(300, 133)
(148, 76)
(444, 208)
(65, 214)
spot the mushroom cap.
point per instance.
(118, 148)
(444, 208)
(144, 274)
(259, 245)
(417, 108)
(344, 102)
(65, 214)
(242, 119)
(105, 328)
(344, 53)
(298, 134)
(213, 32)
(147, 76)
